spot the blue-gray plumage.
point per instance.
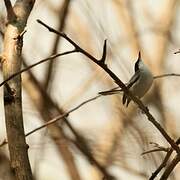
(139, 84)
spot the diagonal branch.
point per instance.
(35, 64)
(170, 167)
(162, 165)
(10, 12)
(83, 150)
(57, 118)
(155, 150)
(117, 80)
(119, 83)
(164, 162)
(166, 75)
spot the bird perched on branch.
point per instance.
(139, 83)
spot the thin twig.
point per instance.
(155, 150)
(166, 75)
(62, 116)
(35, 64)
(57, 118)
(77, 47)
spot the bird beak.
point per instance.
(139, 55)
(177, 52)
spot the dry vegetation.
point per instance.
(72, 132)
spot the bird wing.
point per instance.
(134, 79)
(115, 90)
(111, 91)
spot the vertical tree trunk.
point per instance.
(11, 63)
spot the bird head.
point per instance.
(139, 63)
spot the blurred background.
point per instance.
(111, 133)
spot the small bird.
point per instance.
(139, 83)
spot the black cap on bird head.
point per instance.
(136, 67)
(139, 55)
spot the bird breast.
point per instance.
(143, 84)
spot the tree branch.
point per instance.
(119, 83)
(78, 49)
(155, 150)
(170, 167)
(10, 12)
(57, 118)
(35, 64)
(162, 165)
(166, 75)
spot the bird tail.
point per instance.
(110, 92)
(126, 100)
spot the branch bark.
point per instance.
(11, 63)
(170, 168)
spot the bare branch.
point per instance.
(35, 64)
(166, 75)
(164, 162)
(78, 48)
(62, 116)
(155, 150)
(120, 84)
(162, 165)
(10, 12)
(57, 118)
(170, 167)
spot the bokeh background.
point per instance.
(114, 135)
